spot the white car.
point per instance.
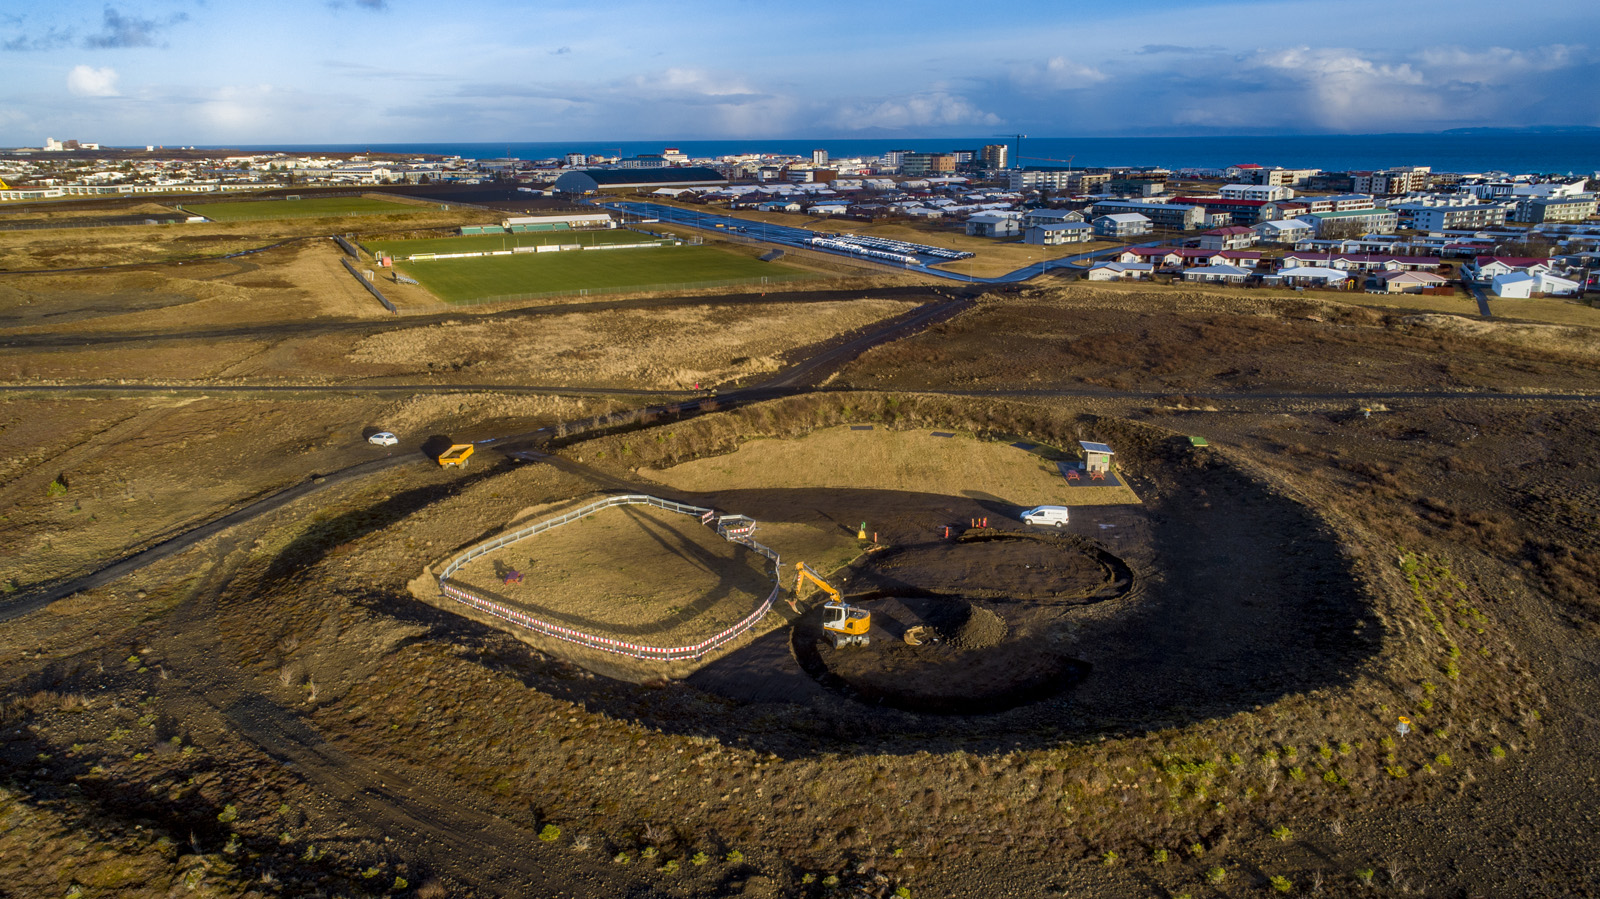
(1046, 515)
(383, 438)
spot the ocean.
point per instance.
(1554, 153)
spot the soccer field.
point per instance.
(601, 271)
(483, 243)
(314, 207)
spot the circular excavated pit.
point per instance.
(997, 642)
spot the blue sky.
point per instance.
(380, 71)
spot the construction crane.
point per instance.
(845, 625)
(1068, 160)
(1017, 144)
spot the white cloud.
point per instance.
(1055, 74)
(918, 110)
(86, 81)
(1496, 64)
(1343, 90)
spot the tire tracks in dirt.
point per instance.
(312, 328)
(29, 603)
(445, 836)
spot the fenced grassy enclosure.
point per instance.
(535, 275)
(487, 243)
(311, 207)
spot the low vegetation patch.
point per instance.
(530, 275)
(310, 207)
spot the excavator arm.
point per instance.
(846, 625)
(803, 574)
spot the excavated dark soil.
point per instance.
(998, 641)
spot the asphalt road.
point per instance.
(783, 235)
(805, 375)
(34, 601)
(798, 377)
(1481, 296)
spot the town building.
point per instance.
(1248, 213)
(1389, 182)
(1361, 262)
(588, 181)
(1523, 284)
(1273, 176)
(1287, 231)
(1568, 208)
(1057, 234)
(1216, 274)
(1120, 271)
(1352, 222)
(1173, 216)
(1256, 192)
(1442, 217)
(1483, 268)
(1126, 224)
(994, 224)
(1233, 237)
(1032, 217)
(1057, 179)
(1309, 276)
(1396, 281)
(916, 165)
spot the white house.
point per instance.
(1396, 281)
(1216, 274)
(829, 209)
(1288, 231)
(1521, 285)
(994, 224)
(1233, 237)
(1122, 224)
(1309, 276)
(1486, 267)
(1054, 235)
(1157, 256)
(1120, 271)
(1035, 217)
(1268, 192)
(1516, 285)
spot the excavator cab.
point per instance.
(845, 624)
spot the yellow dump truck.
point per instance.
(456, 455)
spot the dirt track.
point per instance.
(237, 637)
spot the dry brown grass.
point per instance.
(295, 283)
(73, 247)
(648, 348)
(630, 572)
(881, 459)
(80, 210)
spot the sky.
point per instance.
(217, 72)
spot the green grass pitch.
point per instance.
(313, 207)
(464, 280)
(483, 243)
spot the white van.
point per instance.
(1046, 515)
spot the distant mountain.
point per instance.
(1529, 129)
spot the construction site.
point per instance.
(855, 585)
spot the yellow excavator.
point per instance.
(845, 625)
